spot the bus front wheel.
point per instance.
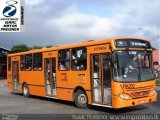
(26, 90)
(81, 100)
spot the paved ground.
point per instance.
(3, 82)
(17, 104)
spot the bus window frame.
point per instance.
(33, 61)
(22, 62)
(64, 60)
(83, 47)
(113, 60)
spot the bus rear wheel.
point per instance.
(26, 90)
(81, 100)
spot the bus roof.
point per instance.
(84, 43)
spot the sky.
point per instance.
(60, 22)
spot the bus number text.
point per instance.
(128, 86)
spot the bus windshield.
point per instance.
(132, 66)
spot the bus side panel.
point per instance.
(37, 90)
(65, 94)
(71, 79)
(34, 77)
(35, 80)
(68, 94)
(21, 79)
(68, 81)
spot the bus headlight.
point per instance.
(152, 92)
(125, 96)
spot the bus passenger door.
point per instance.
(15, 75)
(50, 76)
(96, 78)
(106, 78)
(101, 78)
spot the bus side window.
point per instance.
(9, 63)
(79, 59)
(22, 63)
(37, 62)
(28, 62)
(64, 59)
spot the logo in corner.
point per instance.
(10, 10)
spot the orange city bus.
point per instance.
(115, 73)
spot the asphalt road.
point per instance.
(17, 104)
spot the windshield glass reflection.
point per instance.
(132, 66)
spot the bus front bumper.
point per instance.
(121, 103)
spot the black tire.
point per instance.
(81, 100)
(26, 90)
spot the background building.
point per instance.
(156, 58)
(3, 62)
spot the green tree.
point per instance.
(19, 48)
(36, 47)
(49, 46)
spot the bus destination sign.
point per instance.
(132, 43)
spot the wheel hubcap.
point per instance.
(82, 99)
(25, 90)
